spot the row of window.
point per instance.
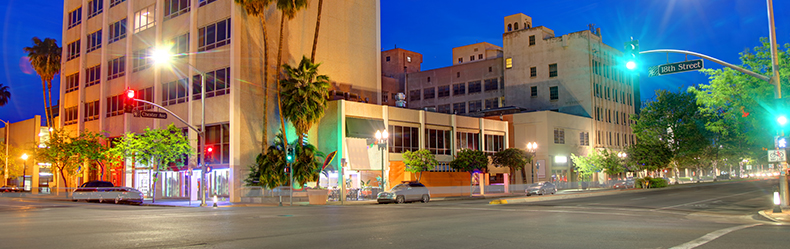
(613, 138)
(438, 141)
(471, 58)
(474, 106)
(602, 114)
(458, 89)
(95, 7)
(608, 93)
(559, 137)
(554, 92)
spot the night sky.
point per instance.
(719, 28)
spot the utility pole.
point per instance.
(783, 191)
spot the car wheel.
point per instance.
(425, 198)
(542, 192)
(400, 199)
(117, 200)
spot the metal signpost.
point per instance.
(677, 67)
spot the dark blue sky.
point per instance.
(719, 28)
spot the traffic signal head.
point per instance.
(289, 155)
(631, 54)
(128, 102)
(781, 142)
(782, 120)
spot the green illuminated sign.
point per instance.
(678, 67)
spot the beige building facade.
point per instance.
(106, 49)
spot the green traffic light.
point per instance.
(782, 120)
(630, 65)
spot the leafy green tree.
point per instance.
(5, 95)
(14, 168)
(513, 158)
(61, 151)
(650, 154)
(45, 56)
(304, 95)
(258, 8)
(611, 163)
(588, 165)
(269, 168)
(96, 148)
(419, 161)
(469, 161)
(307, 166)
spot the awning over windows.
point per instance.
(361, 156)
(359, 127)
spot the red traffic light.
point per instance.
(209, 149)
(130, 93)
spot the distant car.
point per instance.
(623, 184)
(541, 188)
(102, 191)
(10, 189)
(405, 192)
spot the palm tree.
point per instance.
(257, 8)
(45, 58)
(5, 95)
(317, 24)
(304, 95)
(289, 9)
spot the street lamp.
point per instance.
(381, 141)
(532, 147)
(5, 175)
(622, 156)
(162, 56)
(24, 158)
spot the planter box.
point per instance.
(317, 196)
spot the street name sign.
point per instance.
(678, 67)
(148, 114)
(777, 156)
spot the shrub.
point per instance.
(653, 182)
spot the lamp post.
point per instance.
(24, 158)
(622, 156)
(381, 141)
(162, 56)
(5, 174)
(532, 147)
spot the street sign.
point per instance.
(777, 156)
(149, 114)
(678, 67)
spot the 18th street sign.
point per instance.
(678, 67)
(148, 114)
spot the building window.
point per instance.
(95, 7)
(92, 110)
(404, 139)
(144, 18)
(218, 138)
(459, 89)
(438, 141)
(531, 40)
(608, 115)
(458, 74)
(533, 72)
(494, 144)
(414, 95)
(471, 58)
(429, 93)
(554, 93)
(73, 50)
(71, 115)
(204, 2)
(480, 56)
(533, 91)
(444, 91)
(475, 106)
(509, 63)
(181, 45)
(459, 108)
(466, 140)
(559, 136)
(515, 26)
(93, 76)
(492, 103)
(174, 92)
(75, 17)
(408, 59)
(73, 82)
(115, 2)
(509, 27)
(146, 94)
(443, 108)
(385, 97)
(217, 83)
(429, 79)
(388, 58)
(490, 69)
(553, 70)
(491, 84)
(173, 8)
(115, 105)
(460, 60)
(141, 59)
(475, 87)
(117, 31)
(94, 41)
(214, 35)
(117, 68)
(584, 138)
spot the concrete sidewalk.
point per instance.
(782, 218)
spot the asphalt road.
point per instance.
(711, 215)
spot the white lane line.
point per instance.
(640, 198)
(711, 236)
(690, 203)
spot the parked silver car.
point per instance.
(405, 192)
(541, 188)
(102, 191)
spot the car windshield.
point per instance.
(399, 187)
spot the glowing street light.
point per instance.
(782, 120)
(532, 147)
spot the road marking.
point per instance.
(690, 203)
(711, 236)
(640, 198)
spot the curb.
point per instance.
(764, 215)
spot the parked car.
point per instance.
(623, 184)
(541, 188)
(405, 192)
(7, 189)
(102, 191)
